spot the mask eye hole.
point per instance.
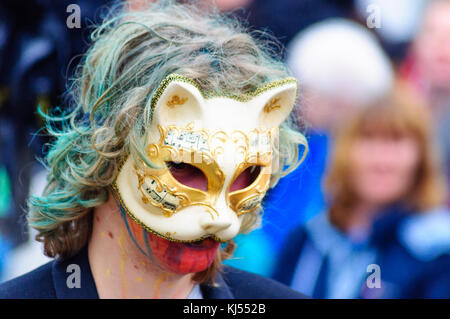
(246, 178)
(188, 175)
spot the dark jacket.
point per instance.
(412, 252)
(50, 281)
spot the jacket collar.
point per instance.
(63, 269)
(220, 290)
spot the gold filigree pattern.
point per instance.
(159, 195)
(248, 199)
(199, 147)
(157, 185)
(176, 100)
(255, 148)
(272, 105)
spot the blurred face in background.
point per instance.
(326, 113)
(384, 155)
(383, 169)
(432, 45)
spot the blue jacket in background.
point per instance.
(412, 252)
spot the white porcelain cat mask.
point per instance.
(227, 144)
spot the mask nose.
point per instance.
(215, 225)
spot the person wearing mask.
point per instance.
(164, 158)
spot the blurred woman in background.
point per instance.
(386, 233)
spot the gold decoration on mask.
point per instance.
(162, 189)
(176, 100)
(271, 105)
(257, 150)
(242, 142)
(199, 147)
(159, 195)
(249, 198)
(218, 137)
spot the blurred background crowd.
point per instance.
(375, 94)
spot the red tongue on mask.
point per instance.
(182, 258)
(176, 257)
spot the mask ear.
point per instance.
(276, 103)
(180, 102)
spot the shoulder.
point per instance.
(426, 236)
(246, 285)
(37, 284)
